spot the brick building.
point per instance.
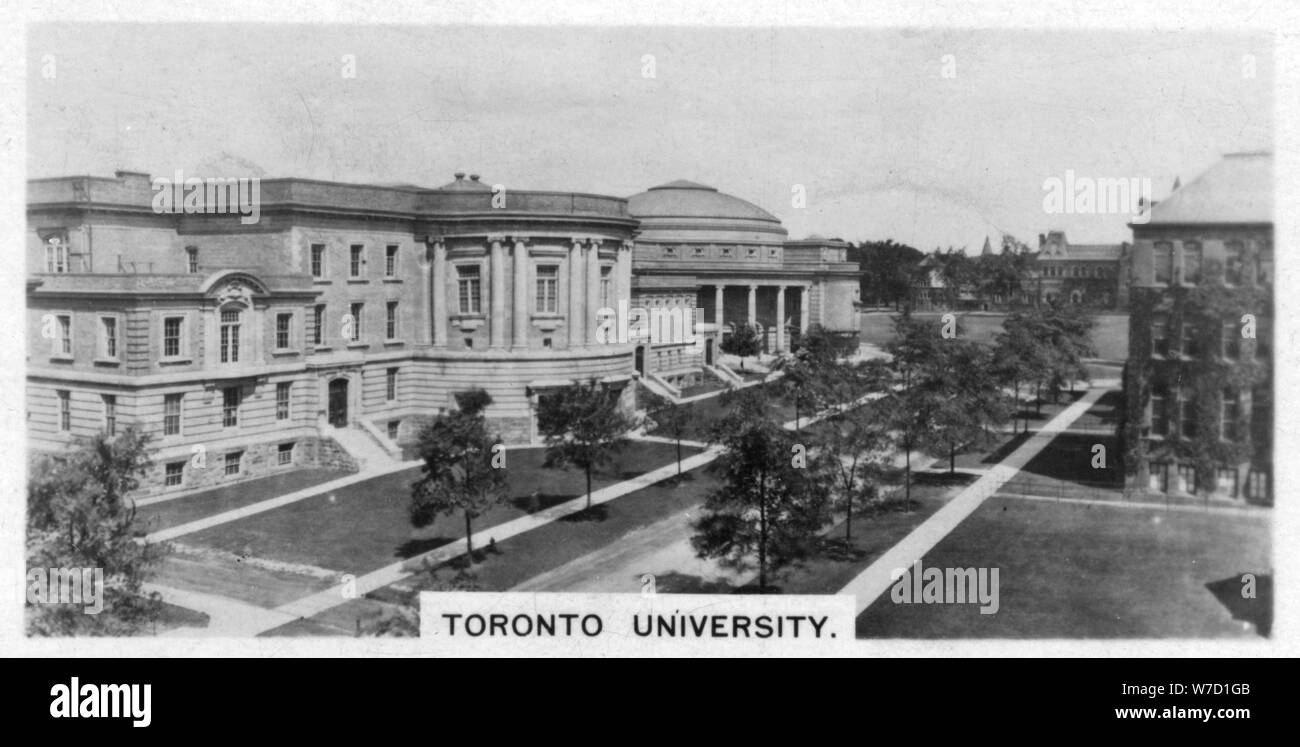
(1198, 383)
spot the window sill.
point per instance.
(358, 281)
(175, 362)
(321, 348)
(394, 343)
(283, 353)
(114, 362)
(358, 345)
(61, 358)
(393, 280)
(321, 281)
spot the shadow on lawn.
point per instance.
(681, 583)
(595, 513)
(539, 501)
(1258, 611)
(1003, 451)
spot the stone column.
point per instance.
(577, 311)
(497, 337)
(439, 294)
(780, 318)
(805, 307)
(519, 333)
(593, 288)
(753, 304)
(718, 292)
(623, 275)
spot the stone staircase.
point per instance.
(364, 447)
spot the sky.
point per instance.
(930, 138)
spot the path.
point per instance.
(876, 579)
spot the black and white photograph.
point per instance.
(505, 333)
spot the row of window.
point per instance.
(1184, 480)
(1077, 271)
(1189, 272)
(356, 261)
(1229, 415)
(1230, 337)
(173, 405)
(546, 295)
(232, 464)
(750, 252)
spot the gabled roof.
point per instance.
(1237, 189)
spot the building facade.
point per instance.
(1198, 383)
(1095, 275)
(326, 332)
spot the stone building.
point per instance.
(1094, 275)
(1198, 383)
(329, 329)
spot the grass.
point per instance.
(177, 511)
(365, 526)
(1062, 574)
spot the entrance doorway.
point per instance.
(640, 360)
(338, 403)
(708, 351)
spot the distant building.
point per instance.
(1094, 275)
(1198, 383)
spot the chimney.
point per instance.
(473, 177)
(459, 175)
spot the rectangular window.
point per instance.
(1159, 411)
(606, 287)
(318, 260)
(172, 327)
(1191, 263)
(358, 260)
(1191, 340)
(355, 310)
(548, 278)
(390, 321)
(175, 474)
(283, 325)
(1232, 261)
(1230, 412)
(1263, 339)
(230, 336)
(390, 384)
(1186, 478)
(1261, 416)
(1159, 476)
(1160, 337)
(318, 325)
(110, 414)
(1187, 414)
(284, 454)
(470, 289)
(233, 460)
(1164, 262)
(393, 426)
(108, 336)
(172, 414)
(65, 410)
(65, 334)
(192, 259)
(390, 260)
(1257, 485)
(230, 397)
(1231, 341)
(282, 400)
(56, 256)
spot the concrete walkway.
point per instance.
(876, 580)
(226, 617)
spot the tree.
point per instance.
(889, 270)
(770, 503)
(463, 467)
(802, 385)
(80, 516)
(672, 418)
(742, 342)
(583, 426)
(860, 450)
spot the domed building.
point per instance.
(726, 261)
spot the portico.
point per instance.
(767, 303)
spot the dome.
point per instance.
(686, 199)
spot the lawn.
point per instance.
(365, 526)
(1069, 570)
(177, 511)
